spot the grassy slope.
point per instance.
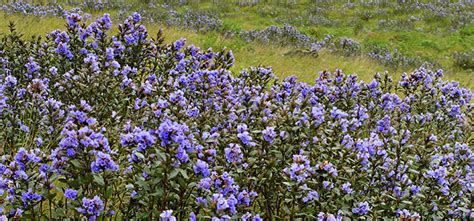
(252, 54)
(306, 68)
(434, 42)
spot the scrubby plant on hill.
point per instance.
(125, 126)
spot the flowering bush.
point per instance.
(194, 20)
(287, 35)
(190, 19)
(126, 126)
(349, 47)
(464, 60)
(26, 8)
(395, 58)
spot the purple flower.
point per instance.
(244, 197)
(29, 197)
(312, 195)
(91, 207)
(10, 81)
(136, 17)
(63, 49)
(346, 187)
(134, 194)
(179, 44)
(70, 194)
(337, 113)
(32, 66)
(110, 55)
(361, 209)
(244, 135)
(93, 61)
(205, 183)
(103, 162)
(167, 216)
(142, 138)
(73, 19)
(318, 114)
(233, 153)
(327, 185)
(201, 167)
(384, 126)
(257, 218)
(24, 128)
(105, 21)
(246, 217)
(269, 134)
(331, 217)
(300, 169)
(182, 155)
(169, 131)
(329, 167)
(16, 212)
(24, 157)
(220, 201)
(192, 216)
(38, 141)
(414, 189)
(321, 216)
(201, 201)
(232, 202)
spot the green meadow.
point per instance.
(412, 33)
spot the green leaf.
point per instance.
(99, 179)
(129, 187)
(143, 184)
(59, 211)
(109, 192)
(253, 152)
(252, 160)
(76, 163)
(277, 153)
(161, 155)
(184, 173)
(158, 192)
(139, 155)
(173, 174)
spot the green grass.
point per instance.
(433, 45)
(246, 54)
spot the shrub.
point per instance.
(26, 8)
(393, 58)
(194, 20)
(125, 126)
(464, 60)
(349, 47)
(287, 35)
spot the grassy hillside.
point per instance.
(412, 33)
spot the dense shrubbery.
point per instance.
(349, 47)
(396, 58)
(464, 60)
(195, 20)
(126, 126)
(453, 16)
(288, 36)
(37, 10)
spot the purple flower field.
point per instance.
(102, 121)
